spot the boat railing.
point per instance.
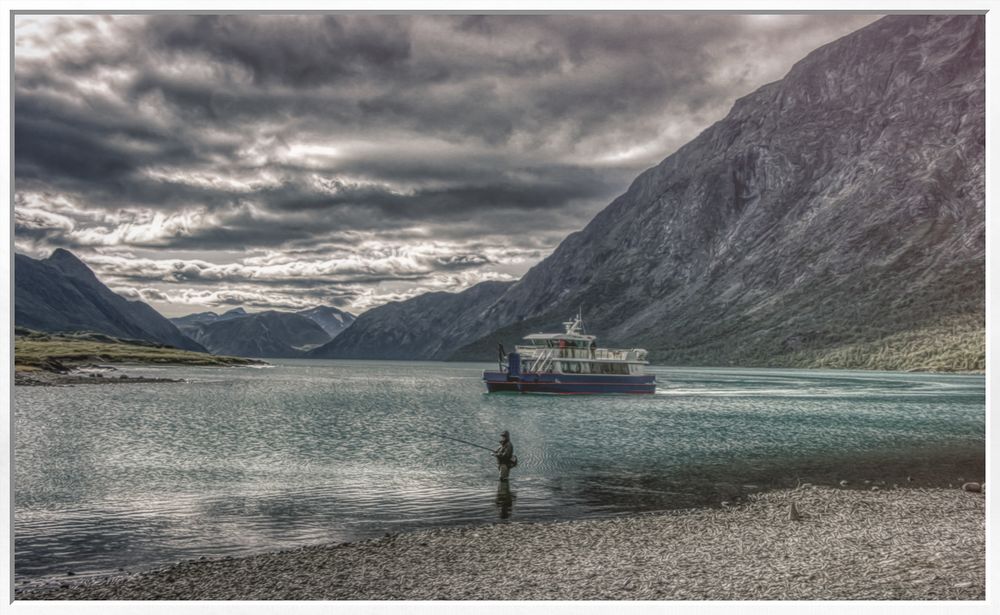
(544, 356)
(540, 358)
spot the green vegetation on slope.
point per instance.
(959, 345)
(55, 352)
(954, 344)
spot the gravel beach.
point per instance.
(896, 544)
(50, 379)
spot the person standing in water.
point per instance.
(504, 454)
(505, 499)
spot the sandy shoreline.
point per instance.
(900, 544)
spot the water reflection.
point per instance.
(505, 499)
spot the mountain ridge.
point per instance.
(269, 334)
(427, 327)
(62, 294)
(333, 320)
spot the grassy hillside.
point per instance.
(55, 352)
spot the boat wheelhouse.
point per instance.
(570, 362)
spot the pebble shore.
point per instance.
(50, 379)
(839, 544)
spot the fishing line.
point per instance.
(440, 435)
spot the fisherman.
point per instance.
(504, 454)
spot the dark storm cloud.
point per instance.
(89, 145)
(300, 51)
(494, 136)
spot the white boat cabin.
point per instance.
(574, 352)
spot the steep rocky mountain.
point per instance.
(427, 327)
(835, 217)
(332, 320)
(269, 334)
(62, 294)
(832, 218)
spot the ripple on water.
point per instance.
(241, 460)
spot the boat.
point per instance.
(568, 363)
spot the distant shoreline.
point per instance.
(53, 359)
(60, 354)
(43, 378)
(846, 545)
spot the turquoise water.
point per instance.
(243, 460)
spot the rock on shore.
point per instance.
(900, 544)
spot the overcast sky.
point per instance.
(281, 162)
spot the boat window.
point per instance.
(610, 368)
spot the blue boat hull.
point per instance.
(568, 384)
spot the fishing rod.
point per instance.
(441, 435)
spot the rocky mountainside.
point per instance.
(61, 294)
(269, 334)
(833, 218)
(427, 327)
(332, 320)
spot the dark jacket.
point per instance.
(504, 453)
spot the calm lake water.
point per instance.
(243, 460)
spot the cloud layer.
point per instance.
(286, 161)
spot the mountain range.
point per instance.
(270, 334)
(833, 218)
(200, 318)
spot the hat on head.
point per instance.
(504, 434)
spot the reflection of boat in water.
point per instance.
(570, 362)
